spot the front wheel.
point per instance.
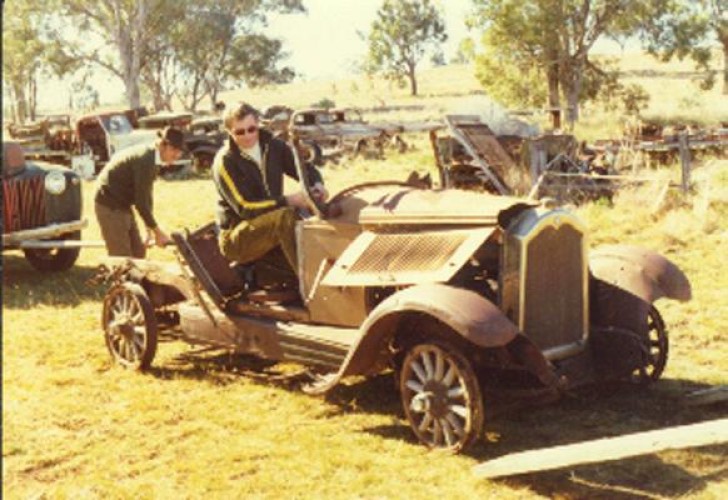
(130, 326)
(54, 259)
(441, 397)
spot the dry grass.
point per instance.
(75, 426)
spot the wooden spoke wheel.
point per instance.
(441, 397)
(656, 347)
(130, 326)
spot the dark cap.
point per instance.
(174, 137)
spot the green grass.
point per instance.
(201, 425)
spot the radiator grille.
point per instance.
(553, 307)
(407, 252)
(24, 205)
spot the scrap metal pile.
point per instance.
(471, 156)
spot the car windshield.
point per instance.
(116, 124)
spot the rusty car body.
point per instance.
(102, 134)
(464, 295)
(50, 138)
(41, 211)
(203, 135)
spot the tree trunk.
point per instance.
(129, 40)
(725, 65)
(21, 106)
(412, 78)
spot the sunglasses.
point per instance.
(242, 131)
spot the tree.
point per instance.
(402, 33)
(176, 47)
(29, 52)
(554, 36)
(127, 26)
(216, 43)
(687, 29)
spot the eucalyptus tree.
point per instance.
(29, 53)
(403, 32)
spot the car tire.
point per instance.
(54, 259)
(130, 326)
(441, 396)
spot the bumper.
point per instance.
(17, 238)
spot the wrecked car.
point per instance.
(102, 134)
(465, 297)
(41, 210)
(203, 136)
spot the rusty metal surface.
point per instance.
(405, 258)
(467, 313)
(394, 204)
(639, 271)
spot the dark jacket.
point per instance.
(127, 179)
(246, 189)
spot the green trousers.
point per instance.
(252, 239)
(120, 232)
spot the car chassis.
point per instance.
(465, 295)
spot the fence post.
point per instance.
(537, 160)
(682, 141)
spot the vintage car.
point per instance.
(50, 138)
(41, 211)
(203, 135)
(467, 297)
(102, 134)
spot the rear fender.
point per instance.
(468, 314)
(641, 272)
(626, 280)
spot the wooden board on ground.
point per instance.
(602, 450)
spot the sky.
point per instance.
(325, 43)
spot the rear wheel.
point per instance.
(130, 326)
(656, 347)
(54, 259)
(441, 396)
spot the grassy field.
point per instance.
(208, 425)
(203, 425)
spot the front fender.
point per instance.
(467, 313)
(641, 272)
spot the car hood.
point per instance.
(379, 205)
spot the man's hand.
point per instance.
(297, 200)
(160, 237)
(319, 192)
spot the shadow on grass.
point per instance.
(24, 287)
(594, 413)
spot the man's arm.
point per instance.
(237, 194)
(143, 193)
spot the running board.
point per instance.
(319, 345)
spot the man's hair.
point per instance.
(238, 112)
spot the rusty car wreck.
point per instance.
(464, 295)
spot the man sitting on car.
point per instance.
(253, 214)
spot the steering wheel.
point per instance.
(356, 187)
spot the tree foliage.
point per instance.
(670, 28)
(188, 48)
(403, 32)
(553, 36)
(29, 52)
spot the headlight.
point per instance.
(55, 182)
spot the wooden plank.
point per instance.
(602, 450)
(708, 396)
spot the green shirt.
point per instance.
(127, 180)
